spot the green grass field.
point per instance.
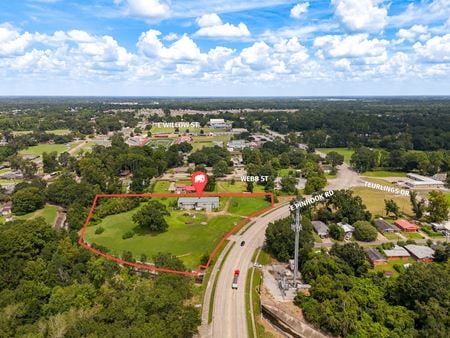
(161, 143)
(238, 186)
(346, 152)
(447, 196)
(188, 237)
(199, 142)
(54, 131)
(389, 266)
(49, 213)
(379, 181)
(384, 173)
(43, 147)
(412, 235)
(374, 200)
(156, 129)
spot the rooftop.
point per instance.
(375, 255)
(405, 225)
(420, 251)
(194, 200)
(397, 251)
(382, 225)
(320, 227)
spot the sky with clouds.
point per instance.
(225, 47)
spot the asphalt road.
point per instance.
(229, 316)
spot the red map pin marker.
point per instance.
(199, 181)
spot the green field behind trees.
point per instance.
(190, 235)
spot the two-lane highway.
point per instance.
(229, 316)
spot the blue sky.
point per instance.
(225, 48)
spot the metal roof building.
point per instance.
(420, 252)
(321, 228)
(198, 203)
(384, 226)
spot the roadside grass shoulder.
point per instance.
(383, 173)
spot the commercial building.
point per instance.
(375, 257)
(207, 203)
(219, 124)
(397, 253)
(321, 228)
(385, 227)
(419, 181)
(404, 225)
(420, 253)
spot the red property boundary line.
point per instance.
(153, 268)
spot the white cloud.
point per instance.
(361, 15)
(415, 32)
(211, 26)
(12, 42)
(436, 49)
(299, 9)
(182, 49)
(151, 10)
(351, 46)
(423, 12)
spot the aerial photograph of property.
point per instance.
(225, 169)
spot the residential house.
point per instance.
(385, 227)
(421, 253)
(207, 203)
(348, 230)
(321, 228)
(375, 257)
(404, 225)
(397, 253)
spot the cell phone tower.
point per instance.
(296, 227)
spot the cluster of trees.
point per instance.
(387, 123)
(50, 286)
(425, 162)
(346, 300)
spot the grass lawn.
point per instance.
(447, 196)
(188, 237)
(392, 236)
(43, 147)
(247, 205)
(389, 266)
(238, 186)
(383, 173)
(374, 200)
(161, 143)
(54, 131)
(412, 235)
(379, 181)
(156, 129)
(199, 142)
(49, 213)
(346, 152)
(285, 171)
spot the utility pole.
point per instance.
(296, 227)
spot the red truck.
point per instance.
(235, 279)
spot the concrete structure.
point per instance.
(385, 227)
(419, 181)
(421, 253)
(320, 228)
(397, 253)
(375, 257)
(207, 203)
(404, 225)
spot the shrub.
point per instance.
(364, 231)
(99, 230)
(128, 234)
